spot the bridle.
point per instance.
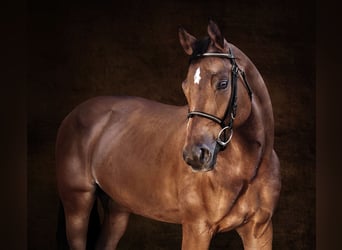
(227, 121)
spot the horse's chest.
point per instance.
(237, 215)
(222, 207)
(239, 209)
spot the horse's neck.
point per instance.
(254, 137)
(261, 116)
(260, 93)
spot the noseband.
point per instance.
(227, 121)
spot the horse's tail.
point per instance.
(62, 242)
(93, 228)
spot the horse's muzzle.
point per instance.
(199, 157)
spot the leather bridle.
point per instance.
(227, 121)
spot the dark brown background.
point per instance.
(81, 50)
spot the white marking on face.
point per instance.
(197, 76)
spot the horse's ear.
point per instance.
(186, 40)
(216, 35)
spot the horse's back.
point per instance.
(97, 125)
(84, 122)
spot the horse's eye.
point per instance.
(222, 84)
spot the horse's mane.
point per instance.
(201, 46)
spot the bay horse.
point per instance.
(209, 166)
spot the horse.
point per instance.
(209, 165)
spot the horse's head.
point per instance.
(212, 94)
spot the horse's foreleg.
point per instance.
(256, 236)
(196, 236)
(113, 227)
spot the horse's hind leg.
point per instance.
(114, 224)
(77, 207)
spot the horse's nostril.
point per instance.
(198, 156)
(201, 154)
(204, 155)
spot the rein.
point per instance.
(231, 109)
